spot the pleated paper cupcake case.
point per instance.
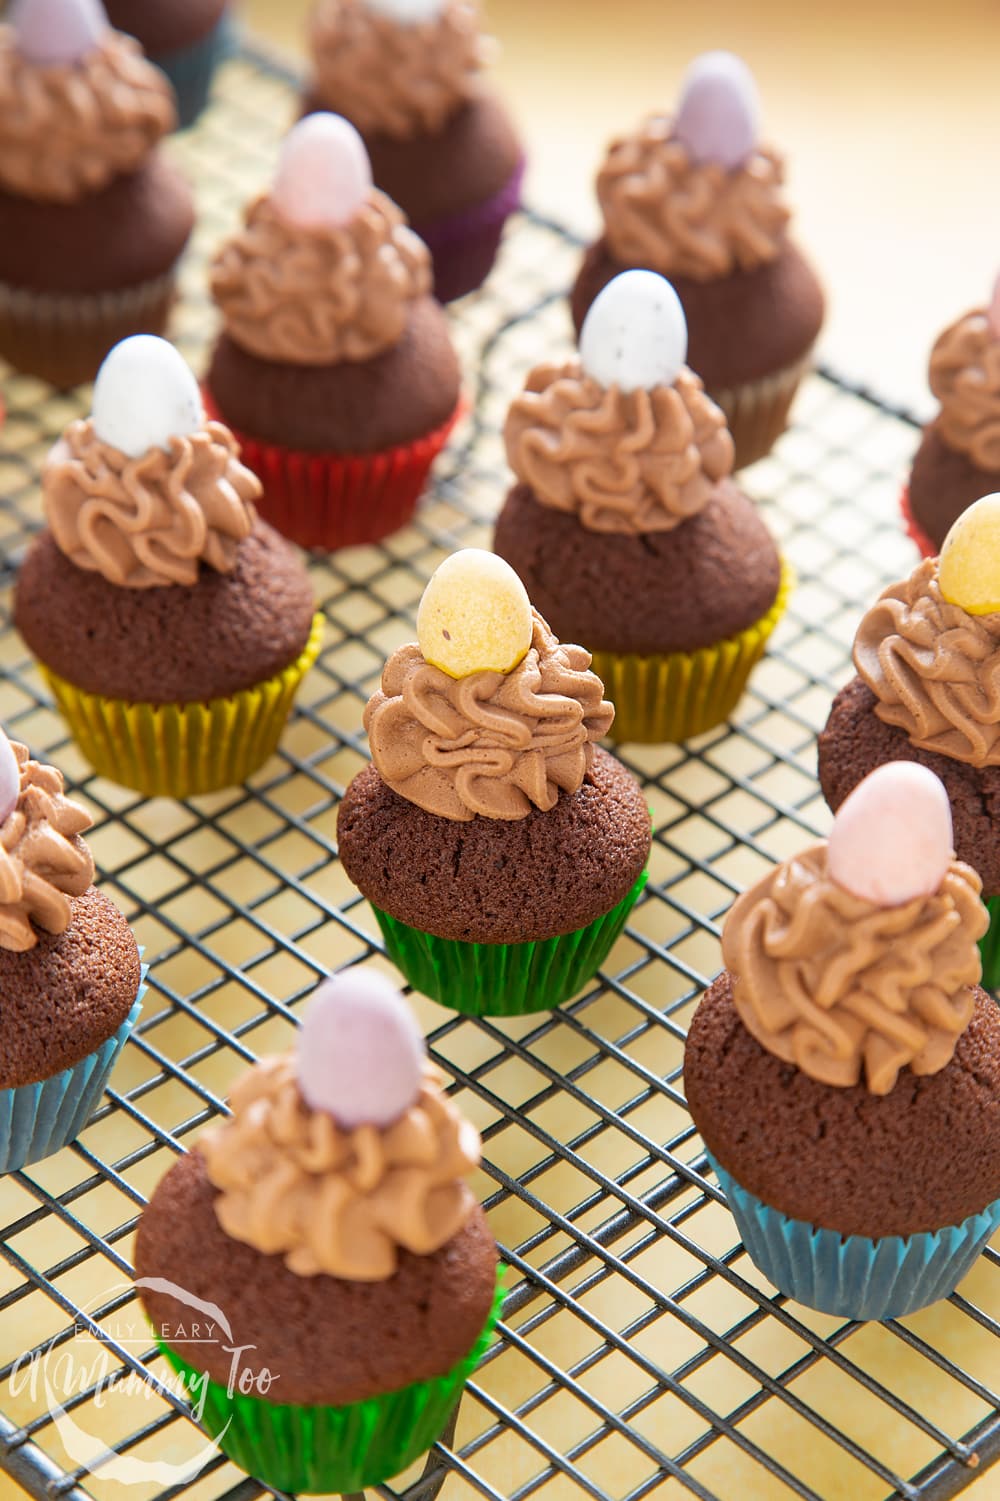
(37, 1120)
(852, 1276)
(504, 979)
(333, 1449)
(182, 750)
(757, 411)
(674, 696)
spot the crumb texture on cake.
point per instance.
(855, 741)
(493, 880)
(69, 994)
(170, 645)
(740, 327)
(327, 1340)
(352, 407)
(711, 577)
(924, 1156)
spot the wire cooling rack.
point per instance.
(639, 1353)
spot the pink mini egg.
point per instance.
(49, 33)
(993, 311)
(892, 839)
(324, 175)
(10, 779)
(360, 1051)
(719, 112)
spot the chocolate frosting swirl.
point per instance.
(666, 213)
(321, 296)
(839, 987)
(965, 378)
(342, 1202)
(934, 668)
(66, 131)
(43, 860)
(493, 744)
(622, 461)
(392, 79)
(147, 522)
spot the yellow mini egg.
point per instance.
(475, 615)
(969, 567)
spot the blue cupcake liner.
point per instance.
(191, 70)
(37, 1120)
(850, 1275)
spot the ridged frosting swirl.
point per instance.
(321, 296)
(965, 378)
(934, 668)
(622, 461)
(666, 213)
(147, 522)
(43, 860)
(844, 989)
(67, 130)
(393, 79)
(493, 744)
(293, 1183)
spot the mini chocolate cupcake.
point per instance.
(329, 1225)
(626, 527)
(500, 849)
(94, 218)
(959, 455)
(173, 626)
(844, 1070)
(184, 38)
(70, 975)
(928, 661)
(699, 200)
(335, 367)
(409, 75)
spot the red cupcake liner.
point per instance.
(334, 500)
(914, 531)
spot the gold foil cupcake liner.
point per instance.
(181, 750)
(757, 412)
(676, 695)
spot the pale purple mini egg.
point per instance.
(49, 33)
(718, 118)
(360, 1051)
(10, 779)
(324, 175)
(892, 839)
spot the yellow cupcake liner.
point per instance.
(676, 695)
(181, 750)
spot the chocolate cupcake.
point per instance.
(184, 38)
(959, 455)
(69, 967)
(500, 849)
(409, 75)
(173, 626)
(329, 1223)
(928, 659)
(626, 527)
(335, 366)
(696, 198)
(844, 1070)
(94, 218)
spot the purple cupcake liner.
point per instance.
(852, 1276)
(37, 1120)
(464, 246)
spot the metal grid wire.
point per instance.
(639, 1353)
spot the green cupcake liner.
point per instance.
(989, 945)
(332, 1449)
(504, 979)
